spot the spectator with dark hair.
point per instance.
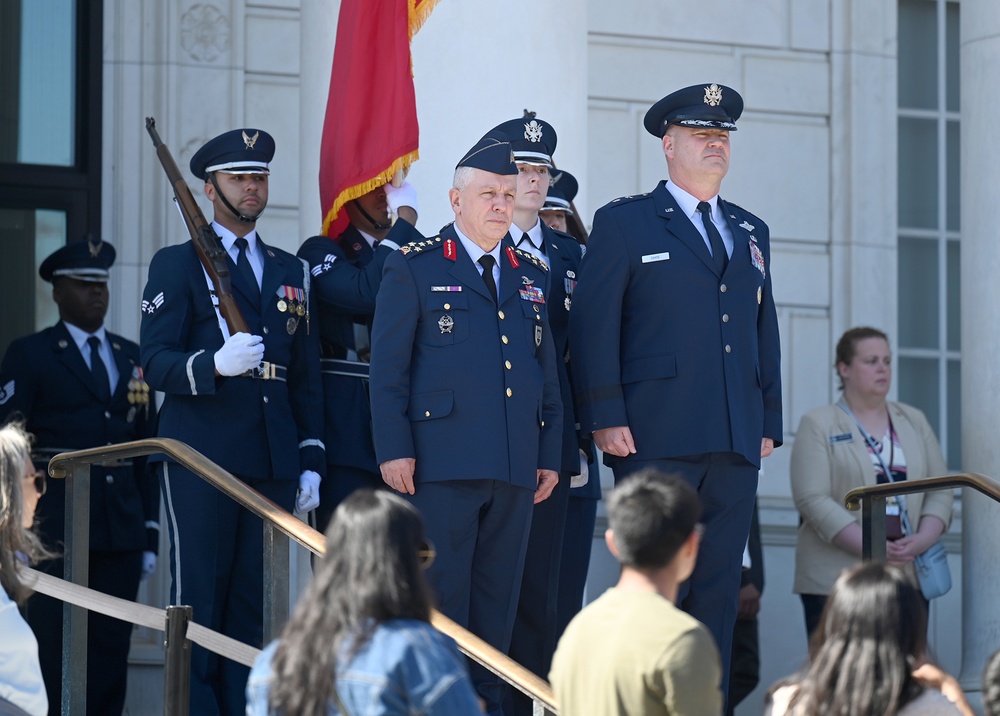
(872, 634)
(632, 651)
(360, 641)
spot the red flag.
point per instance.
(370, 131)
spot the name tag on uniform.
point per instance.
(448, 289)
(650, 258)
(842, 438)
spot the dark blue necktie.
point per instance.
(714, 237)
(487, 262)
(243, 264)
(98, 370)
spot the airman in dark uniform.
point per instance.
(686, 374)
(465, 397)
(80, 386)
(250, 402)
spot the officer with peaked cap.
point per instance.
(559, 199)
(465, 398)
(78, 386)
(534, 639)
(690, 383)
(250, 402)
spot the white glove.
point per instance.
(308, 498)
(584, 476)
(241, 352)
(405, 195)
(148, 565)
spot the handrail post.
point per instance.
(276, 568)
(873, 528)
(177, 662)
(76, 569)
(538, 708)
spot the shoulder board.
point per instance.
(532, 259)
(627, 199)
(418, 247)
(563, 235)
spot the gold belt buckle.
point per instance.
(267, 371)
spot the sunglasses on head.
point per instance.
(426, 553)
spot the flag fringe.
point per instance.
(419, 14)
(359, 190)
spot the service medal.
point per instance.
(300, 310)
(567, 302)
(446, 323)
(291, 325)
(282, 305)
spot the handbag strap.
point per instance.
(874, 446)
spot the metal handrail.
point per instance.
(871, 501)
(475, 648)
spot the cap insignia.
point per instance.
(95, 249)
(555, 179)
(713, 95)
(250, 141)
(533, 131)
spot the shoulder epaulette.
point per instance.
(627, 199)
(532, 259)
(750, 214)
(417, 247)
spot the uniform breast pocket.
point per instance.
(445, 320)
(534, 323)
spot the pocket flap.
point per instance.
(447, 301)
(649, 368)
(428, 406)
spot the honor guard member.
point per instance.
(79, 386)
(687, 378)
(346, 273)
(559, 199)
(465, 397)
(534, 638)
(585, 488)
(248, 402)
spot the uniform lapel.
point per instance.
(125, 366)
(510, 277)
(741, 237)
(680, 225)
(273, 272)
(66, 352)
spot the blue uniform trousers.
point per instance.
(216, 567)
(578, 541)
(726, 485)
(480, 531)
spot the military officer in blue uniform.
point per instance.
(534, 638)
(465, 397)
(250, 402)
(585, 488)
(346, 273)
(78, 386)
(686, 376)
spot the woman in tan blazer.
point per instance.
(830, 457)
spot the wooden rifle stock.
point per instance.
(206, 241)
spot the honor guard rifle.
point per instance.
(206, 241)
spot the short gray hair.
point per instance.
(463, 175)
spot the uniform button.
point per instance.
(507, 363)
(107, 414)
(266, 399)
(509, 392)
(500, 313)
(723, 288)
(725, 318)
(447, 306)
(543, 423)
(265, 330)
(109, 479)
(427, 413)
(504, 339)
(729, 348)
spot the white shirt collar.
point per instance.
(534, 234)
(689, 203)
(229, 238)
(475, 252)
(80, 336)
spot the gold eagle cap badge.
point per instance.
(713, 95)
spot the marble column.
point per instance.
(980, 265)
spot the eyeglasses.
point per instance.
(426, 554)
(38, 479)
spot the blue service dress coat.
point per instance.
(346, 275)
(256, 429)
(468, 389)
(689, 360)
(45, 379)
